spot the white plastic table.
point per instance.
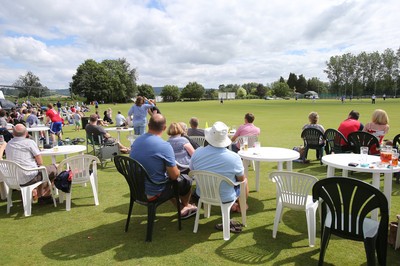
(63, 150)
(119, 130)
(267, 154)
(35, 133)
(342, 160)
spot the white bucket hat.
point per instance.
(217, 135)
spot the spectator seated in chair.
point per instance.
(158, 158)
(93, 129)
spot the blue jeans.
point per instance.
(139, 130)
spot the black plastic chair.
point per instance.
(396, 144)
(6, 134)
(136, 176)
(360, 138)
(396, 141)
(313, 138)
(336, 142)
(346, 203)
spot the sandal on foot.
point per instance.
(189, 213)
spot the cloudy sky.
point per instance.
(174, 42)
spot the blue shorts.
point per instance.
(55, 127)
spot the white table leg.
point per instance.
(280, 166)
(289, 165)
(257, 175)
(246, 167)
(330, 171)
(375, 183)
(118, 135)
(47, 137)
(36, 137)
(345, 173)
(387, 188)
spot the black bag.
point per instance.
(63, 181)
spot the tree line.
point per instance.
(116, 81)
(364, 73)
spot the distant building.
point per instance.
(311, 95)
(226, 95)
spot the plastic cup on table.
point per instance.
(395, 159)
(364, 156)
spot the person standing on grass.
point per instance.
(139, 112)
(77, 120)
(56, 123)
(158, 158)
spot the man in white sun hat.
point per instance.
(218, 159)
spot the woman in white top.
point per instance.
(379, 126)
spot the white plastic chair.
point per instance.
(84, 169)
(182, 167)
(3, 186)
(293, 190)
(199, 140)
(11, 173)
(209, 184)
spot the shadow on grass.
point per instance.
(128, 245)
(263, 252)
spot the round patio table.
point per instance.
(342, 160)
(62, 150)
(267, 154)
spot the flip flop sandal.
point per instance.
(235, 227)
(189, 213)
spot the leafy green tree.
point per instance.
(334, 71)
(122, 80)
(314, 84)
(192, 90)
(292, 81)
(301, 85)
(211, 94)
(390, 69)
(90, 81)
(110, 80)
(261, 91)
(170, 93)
(250, 87)
(241, 93)
(228, 88)
(281, 89)
(375, 68)
(29, 85)
(146, 90)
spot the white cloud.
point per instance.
(179, 41)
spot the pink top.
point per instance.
(248, 129)
(378, 131)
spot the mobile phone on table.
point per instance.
(353, 164)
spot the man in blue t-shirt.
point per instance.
(158, 158)
(218, 159)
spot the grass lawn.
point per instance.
(94, 235)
